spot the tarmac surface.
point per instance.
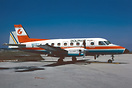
(86, 73)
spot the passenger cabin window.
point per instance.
(65, 44)
(101, 43)
(71, 44)
(77, 43)
(58, 44)
(46, 44)
(52, 44)
(92, 43)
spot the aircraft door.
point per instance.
(90, 43)
(84, 44)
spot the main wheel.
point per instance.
(60, 61)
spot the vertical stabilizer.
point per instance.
(21, 34)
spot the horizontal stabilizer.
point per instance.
(14, 44)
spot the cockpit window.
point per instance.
(101, 43)
(107, 42)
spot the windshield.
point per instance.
(107, 42)
(101, 43)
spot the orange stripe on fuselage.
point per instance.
(96, 47)
(105, 47)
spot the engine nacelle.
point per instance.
(28, 45)
(75, 51)
(32, 44)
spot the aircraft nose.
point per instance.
(126, 51)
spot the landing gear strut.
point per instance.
(95, 57)
(112, 57)
(74, 59)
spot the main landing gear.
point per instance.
(110, 61)
(74, 59)
(60, 60)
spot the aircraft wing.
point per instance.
(54, 50)
(14, 44)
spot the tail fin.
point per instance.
(21, 34)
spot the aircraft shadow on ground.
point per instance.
(81, 62)
(64, 63)
(23, 68)
(35, 68)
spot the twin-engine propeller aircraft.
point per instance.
(62, 48)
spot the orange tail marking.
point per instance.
(17, 26)
(27, 39)
(22, 35)
(23, 38)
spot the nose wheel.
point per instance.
(109, 61)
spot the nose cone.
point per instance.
(126, 51)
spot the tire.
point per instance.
(60, 61)
(109, 61)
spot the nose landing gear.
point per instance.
(110, 61)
